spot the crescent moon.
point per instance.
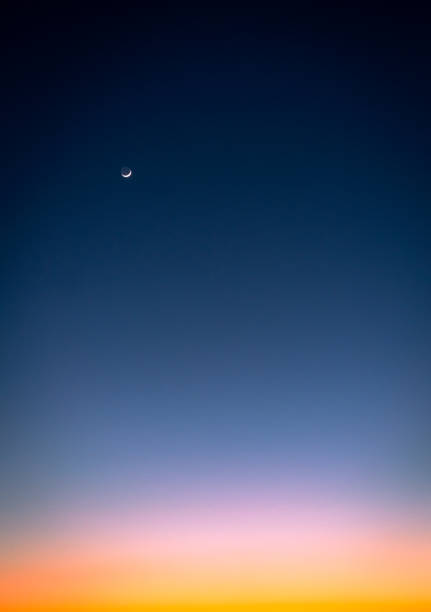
(127, 175)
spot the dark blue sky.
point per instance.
(254, 306)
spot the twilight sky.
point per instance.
(236, 341)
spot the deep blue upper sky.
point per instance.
(256, 301)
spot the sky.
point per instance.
(215, 374)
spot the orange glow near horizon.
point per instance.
(182, 560)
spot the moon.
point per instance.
(126, 172)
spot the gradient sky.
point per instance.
(216, 376)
